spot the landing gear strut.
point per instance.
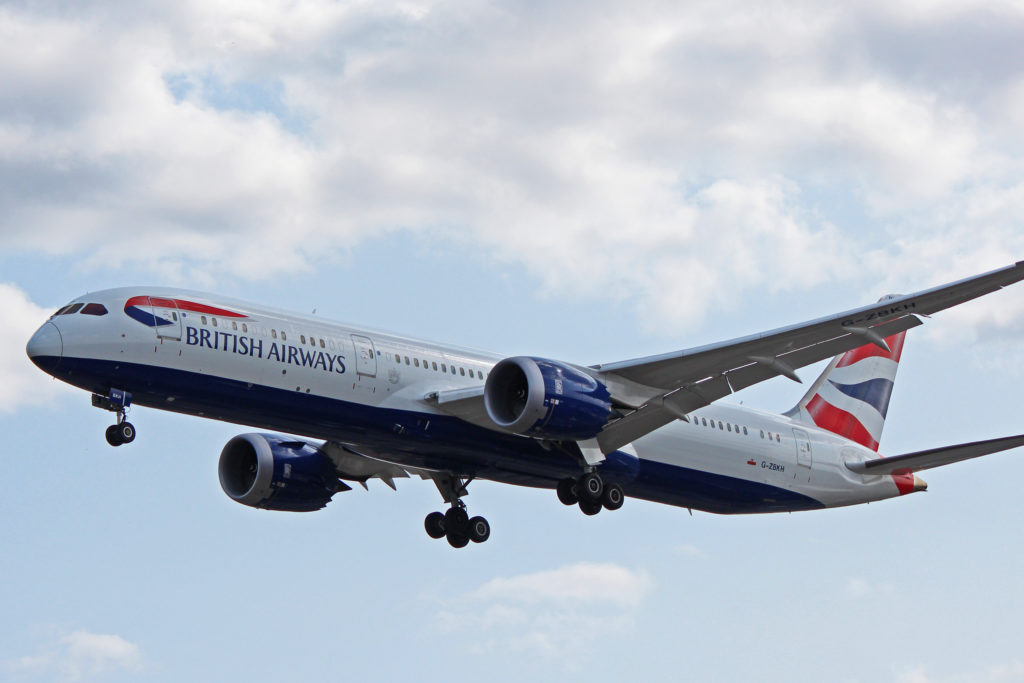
(456, 525)
(591, 493)
(117, 401)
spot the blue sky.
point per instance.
(584, 181)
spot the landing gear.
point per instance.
(121, 433)
(117, 401)
(590, 493)
(456, 525)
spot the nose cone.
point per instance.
(46, 347)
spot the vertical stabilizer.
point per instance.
(851, 397)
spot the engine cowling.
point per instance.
(271, 472)
(546, 399)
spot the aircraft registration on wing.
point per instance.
(349, 405)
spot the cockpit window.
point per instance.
(94, 309)
(68, 310)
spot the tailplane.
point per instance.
(851, 397)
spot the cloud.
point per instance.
(81, 655)
(24, 383)
(678, 158)
(1011, 672)
(549, 612)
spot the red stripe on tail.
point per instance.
(840, 422)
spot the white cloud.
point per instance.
(679, 157)
(24, 384)
(547, 613)
(81, 655)
(1011, 672)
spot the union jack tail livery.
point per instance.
(851, 398)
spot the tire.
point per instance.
(479, 530)
(590, 507)
(113, 438)
(613, 497)
(590, 487)
(434, 524)
(456, 521)
(458, 540)
(126, 432)
(567, 492)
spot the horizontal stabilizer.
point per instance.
(935, 457)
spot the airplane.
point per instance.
(348, 404)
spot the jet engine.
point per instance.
(271, 472)
(546, 399)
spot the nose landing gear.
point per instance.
(117, 401)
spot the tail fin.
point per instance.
(851, 397)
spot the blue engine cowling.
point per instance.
(546, 399)
(274, 473)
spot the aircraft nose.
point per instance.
(46, 347)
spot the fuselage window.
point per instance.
(203, 318)
(245, 328)
(416, 362)
(462, 371)
(302, 338)
(720, 425)
(704, 421)
(284, 335)
(444, 368)
(94, 309)
(214, 321)
(273, 333)
(234, 325)
(434, 365)
(398, 359)
(762, 433)
(322, 345)
(729, 425)
(744, 431)
(778, 438)
(407, 360)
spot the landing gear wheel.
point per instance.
(590, 507)
(456, 520)
(479, 530)
(434, 524)
(458, 540)
(567, 492)
(112, 436)
(126, 432)
(591, 487)
(613, 497)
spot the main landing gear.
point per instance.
(456, 525)
(591, 493)
(117, 401)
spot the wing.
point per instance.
(659, 389)
(935, 457)
(651, 392)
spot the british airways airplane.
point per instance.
(360, 404)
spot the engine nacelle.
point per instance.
(546, 399)
(270, 472)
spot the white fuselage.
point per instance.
(243, 363)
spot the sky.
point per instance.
(585, 181)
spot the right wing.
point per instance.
(659, 389)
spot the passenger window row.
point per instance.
(444, 367)
(722, 426)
